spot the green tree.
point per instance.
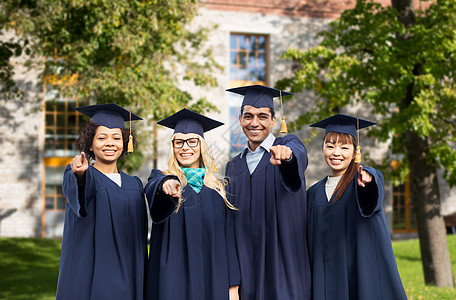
(401, 63)
(133, 53)
(8, 50)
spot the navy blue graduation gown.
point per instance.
(192, 254)
(350, 246)
(104, 238)
(270, 226)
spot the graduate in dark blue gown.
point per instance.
(267, 185)
(349, 242)
(105, 233)
(192, 254)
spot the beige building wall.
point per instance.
(21, 162)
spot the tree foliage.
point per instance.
(369, 56)
(8, 50)
(133, 53)
(130, 51)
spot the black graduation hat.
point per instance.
(258, 95)
(343, 124)
(187, 121)
(109, 115)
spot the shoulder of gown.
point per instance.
(131, 182)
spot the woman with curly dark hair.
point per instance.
(105, 232)
(87, 135)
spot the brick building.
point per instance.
(38, 135)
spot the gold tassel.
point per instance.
(358, 155)
(130, 144)
(358, 148)
(283, 129)
(130, 140)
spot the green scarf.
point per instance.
(195, 177)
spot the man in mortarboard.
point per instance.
(267, 185)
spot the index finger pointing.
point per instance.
(272, 150)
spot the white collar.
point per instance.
(266, 144)
(333, 180)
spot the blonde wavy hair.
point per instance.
(211, 180)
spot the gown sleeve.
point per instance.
(293, 171)
(233, 262)
(161, 205)
(370, 197)
(78, 195)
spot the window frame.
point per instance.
(236, 133)
(55, 97)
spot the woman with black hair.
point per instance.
(349, 243)
(105, 232)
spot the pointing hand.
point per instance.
(279, 153)
(79, 165)
(172, 187)
(363, 177)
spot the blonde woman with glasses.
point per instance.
(192, 253)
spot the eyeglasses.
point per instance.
(192, 143)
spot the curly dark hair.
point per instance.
(87, 134)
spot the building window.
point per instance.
(248, 58)
(62, 121)
(54, 210)
(248, 65)
(404, 219)
(62, 125)
(237, 138)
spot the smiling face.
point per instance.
(188, 157)
(107, 145)
(256, 124)
(338, 151)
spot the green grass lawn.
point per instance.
(29, 269)
(408, 260)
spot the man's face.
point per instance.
(256, 124)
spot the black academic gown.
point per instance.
(104, 238)
(270, 226)
(192, 254)
(349, 243)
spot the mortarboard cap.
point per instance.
(258, 95)
(343, 124)
(109, 115)
(187, 121)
